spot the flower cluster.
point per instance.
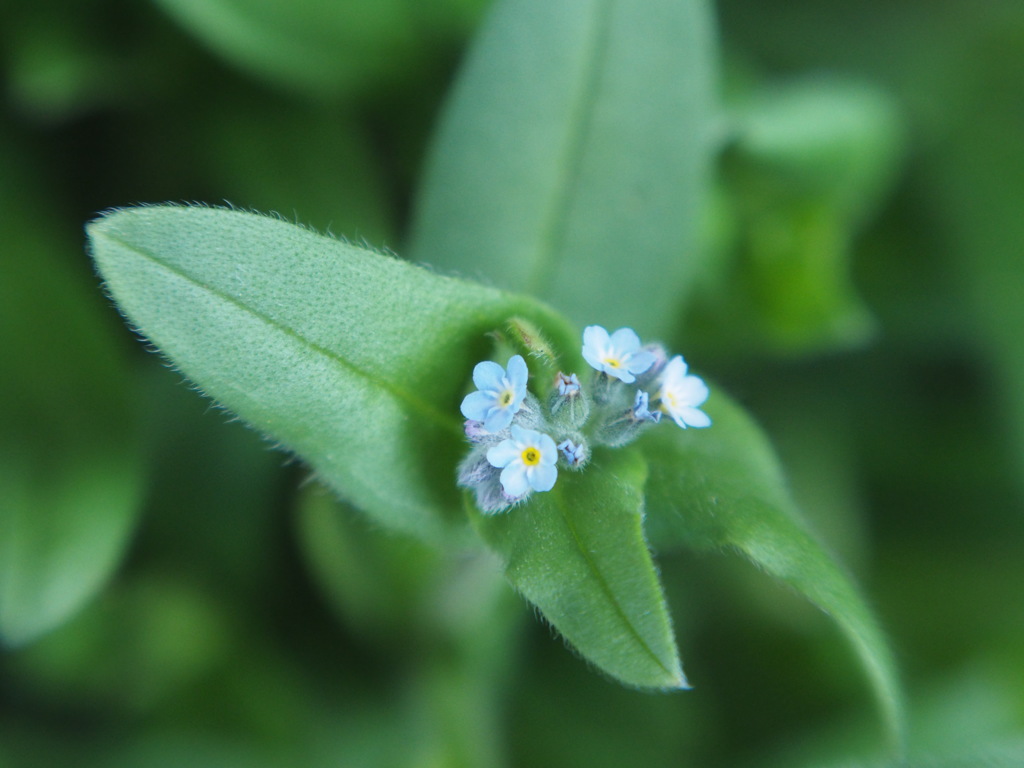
(519, 443)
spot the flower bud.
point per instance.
(484, 479)
(490, 498)
(530, 415)
(626, 427)
(568, 404)
(575, 452)
(475, 469)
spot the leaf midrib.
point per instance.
(603, 583)
(581, 121)
(423, 407)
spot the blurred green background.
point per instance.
(863, 296)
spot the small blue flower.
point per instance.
(619, 355)
(499, 394)
(527, 462)
(681, 395)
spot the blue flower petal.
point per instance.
(476, 405)
(488, 375)
(514, 480)
(548, 451)
(543, 476)
(498, 418)
(503, 453)
(518, 374)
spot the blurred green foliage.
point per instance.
(877, 337)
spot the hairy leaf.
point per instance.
(722, 488)
(353, 359)
(578, 553)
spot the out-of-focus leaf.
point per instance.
(810, 161)
(310, 157)
(721, 488)
(975, 185)
(70, 463)
(65, 516)
(352, 359)
(324, 47)
(163, 747)
(1000, 756)
(233, 482)
(828, 137)
(563, 714)
(374, 579)
(572, 159)
(457, 611)
(578, 553)
(139, 644)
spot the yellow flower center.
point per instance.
(531, 457)
(612, 362)
(506, 398)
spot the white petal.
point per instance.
(621, 374)
(625, 340)
(692, 390)
(595, 337)
(694, 417)
(593, 359)
(674, 371)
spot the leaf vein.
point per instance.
(603, 583)
(553, 231)
(423, 407)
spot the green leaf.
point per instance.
(830, 138)
(578, 553)
(974, 187)
(71, 472)
(1009, 755)
(573, 155)
(722, 488)
(373, 580)
(810, 161)
(354, 360)
(64, 521)
(321, 46)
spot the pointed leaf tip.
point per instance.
(578, 553)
